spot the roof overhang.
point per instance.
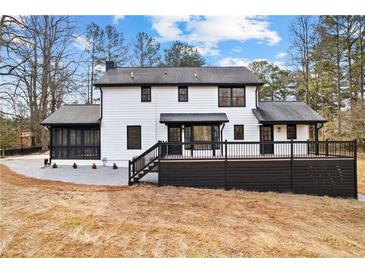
(193, 118)
(290, 122)
(99, 85)
(70, 124)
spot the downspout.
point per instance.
(256, 95)
(50, 145)
(100, 119)
(101, 104)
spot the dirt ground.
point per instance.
(53, 219)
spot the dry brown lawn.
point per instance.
(52, 219)
(361, 174)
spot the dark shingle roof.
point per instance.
(286, 112)
(178, 75)
(74, 114)
(193, 118)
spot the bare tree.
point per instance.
(303, 39)
(96, 54)
(41, 66)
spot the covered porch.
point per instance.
(202, 130)
(74, 132)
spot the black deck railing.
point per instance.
(142, 161)
(257, 150)
(240, 150)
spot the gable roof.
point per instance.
(193, 118)
(74, 115)
(178, 75)
(286, 112)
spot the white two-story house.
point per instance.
(141, 106)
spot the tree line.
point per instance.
(326, 70)
(40, 67)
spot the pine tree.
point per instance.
(182, 54)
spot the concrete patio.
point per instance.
(32, 166)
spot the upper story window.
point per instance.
(231, 97)
(291, 131)
(183, 94)
(145, 94)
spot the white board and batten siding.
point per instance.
(122, 107)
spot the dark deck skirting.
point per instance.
(331, 177)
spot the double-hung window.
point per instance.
(145, 94)
(183, 94)
(231, 97)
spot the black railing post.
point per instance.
(326, 147)
(158, 163)
(355, 170)
(291, 164)
(129, 173)
(225, 165)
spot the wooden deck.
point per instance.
(312, 167)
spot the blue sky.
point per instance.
(223, 40)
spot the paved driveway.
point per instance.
(32, 165)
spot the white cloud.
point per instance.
(281, 64)
(81, 42)
(236, 62)
(167, 27)
(208, 31)
(232, 61)
(117, 19)
(281, 55)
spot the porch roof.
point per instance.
(286, 112)
(74, 115)
(193, 118)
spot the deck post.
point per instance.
(355, 170)
(158, 163)
(291, 164)
(225, 165)
(129, 173)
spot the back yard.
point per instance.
(42, 218)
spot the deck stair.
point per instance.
(143, 164)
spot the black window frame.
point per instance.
(180, 99)
(140, 137)
(148, 95)
(291, 132)
(64, 148)
(231, 96)
(243, 132)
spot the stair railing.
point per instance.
(141, 162)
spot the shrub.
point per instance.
(93, 166)
(115, 166)
(74, 165)
(54, 165)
